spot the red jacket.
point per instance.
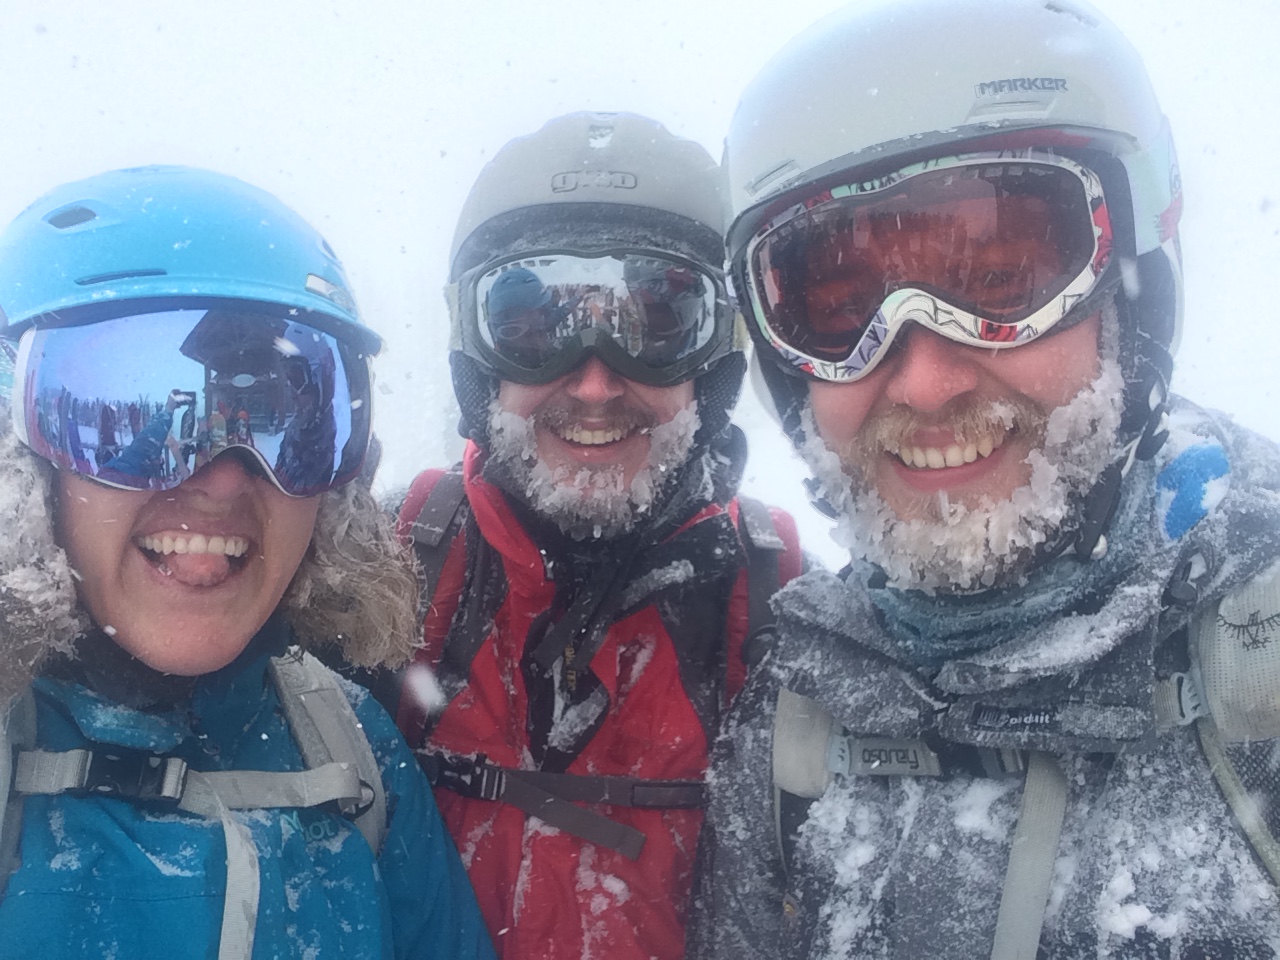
(546, 893)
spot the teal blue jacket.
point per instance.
(105, 877)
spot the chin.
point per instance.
(200, 651)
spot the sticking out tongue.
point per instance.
(197, 569)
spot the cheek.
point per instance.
(839, 409)
(666, 402)
(521, 399)
(293, 523)
(1053, 370)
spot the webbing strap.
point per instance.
(1242, 804)
(327, 730)
(263, 789)
(17, 731)
(562, 815)
(437, 513)
(1031, 859)
(763, 545)
(240, 906)
(47, 771)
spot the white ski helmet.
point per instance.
(882, 84)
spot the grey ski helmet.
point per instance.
(882, 84)
(582, 184)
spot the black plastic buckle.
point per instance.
(136, 775)
(472, 777)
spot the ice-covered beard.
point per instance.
(956, 547)
(589, 501)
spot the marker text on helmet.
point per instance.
(994, 88)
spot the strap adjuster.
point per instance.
(471, 777)
(135, 775)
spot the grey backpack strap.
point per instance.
(17, 732)
(327, 731)
(240, 905)
(1031, 859)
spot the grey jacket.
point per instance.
(1151, 862)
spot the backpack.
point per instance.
(1227, 694)
(341, 769)
(434, 516)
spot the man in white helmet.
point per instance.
(1034, 716)
(591, 577)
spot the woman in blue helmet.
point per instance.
(187, 781)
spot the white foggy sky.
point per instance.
(373, 118)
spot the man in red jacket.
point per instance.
(592, 581)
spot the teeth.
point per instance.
(591, 438)
(955, 455)
(196, 543)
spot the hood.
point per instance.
(39, 614)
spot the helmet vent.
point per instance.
(122, 275)
(70, 217)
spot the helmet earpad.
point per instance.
(717, 390)
(475, 389)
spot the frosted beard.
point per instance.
(588, 502)
(960, 548)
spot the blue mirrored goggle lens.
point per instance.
(142, 401)
(658, 311)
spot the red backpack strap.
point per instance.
(431, 518)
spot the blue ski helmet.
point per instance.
(166, 233)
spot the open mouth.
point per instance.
(968, 450)
(596, 438)
(194, 559)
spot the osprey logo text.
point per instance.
(572, 180)
(1032, 719)
(1022, 85)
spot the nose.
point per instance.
(928, 371)
(227, 476)
(594, 383)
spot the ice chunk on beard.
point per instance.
(593, 501)
(959, 548)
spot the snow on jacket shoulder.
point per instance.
(105, 877)
(546, 894)
(1151, 862)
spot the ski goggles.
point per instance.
(142, 400)
(651, 317)
(991, 250)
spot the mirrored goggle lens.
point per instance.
(996, 239)
(658, 311)
(142, 401)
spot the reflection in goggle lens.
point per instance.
(142, 401)
(659, 311)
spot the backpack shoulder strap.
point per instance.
(802, 733)
(773, 558)
(17, 732)
(1229, 694)
(327, 730)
